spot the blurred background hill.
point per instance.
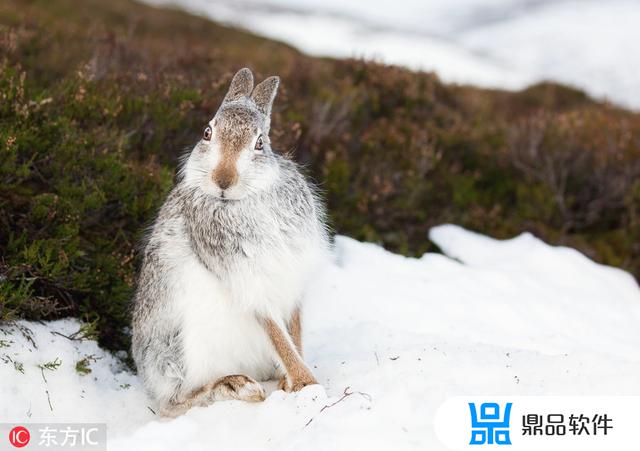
(590, 44)
(98, 100)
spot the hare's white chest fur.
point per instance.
(221, 334)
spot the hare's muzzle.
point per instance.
(225, 175)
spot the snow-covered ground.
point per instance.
(389, 338)
(592, 44)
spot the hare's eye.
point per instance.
(207, 133)
(259, 143)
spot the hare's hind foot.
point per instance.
(237, 386)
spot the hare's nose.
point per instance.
(225, 176)
(224, 184)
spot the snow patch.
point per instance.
(40, 382)
(389, 338)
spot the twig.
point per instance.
(65, 336)
(27, 334)
(345, 395)
(49, 399)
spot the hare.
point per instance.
(218, 300)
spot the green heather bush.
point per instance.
(72, 205)
(99, 99)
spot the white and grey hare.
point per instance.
(217, 305)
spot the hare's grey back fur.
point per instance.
(213, 265)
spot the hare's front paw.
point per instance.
(282, 384)
(296, 384)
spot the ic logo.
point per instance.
(19, 436)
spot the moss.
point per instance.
(83, 366)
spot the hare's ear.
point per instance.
(264, 93)
(241, 85)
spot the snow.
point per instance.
(389, 339)
(508, 44)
